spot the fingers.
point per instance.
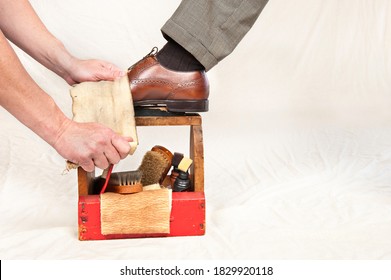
(101, 161)
(88, 166)
(112, 154)
(92, 70)
(91, 144)
(121, 144)
(109, 71)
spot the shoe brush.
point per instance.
(155, 165)
(126, 182)
(168, 158)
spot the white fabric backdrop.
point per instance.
(297, 140)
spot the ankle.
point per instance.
(174, 57)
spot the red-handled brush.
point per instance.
(109, 170)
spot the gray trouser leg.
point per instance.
(211, 29)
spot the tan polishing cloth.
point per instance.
(106, 102)
(140, 213)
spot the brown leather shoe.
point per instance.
(153, 84)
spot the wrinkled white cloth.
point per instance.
(106, 102)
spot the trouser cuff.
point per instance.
(190, 43)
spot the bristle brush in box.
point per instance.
(167, 155)
(153, 170)
(126, 182)
(155, 165)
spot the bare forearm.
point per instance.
(24, 99)
(21, 25)
(87, 144)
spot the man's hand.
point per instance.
(91, 70)
(91, 144)
(87, 144)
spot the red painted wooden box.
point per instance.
(188, 208)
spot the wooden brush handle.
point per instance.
(126, 189)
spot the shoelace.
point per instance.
(153, 52)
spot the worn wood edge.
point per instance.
(197, 154)
(169, 120)
(85, 181)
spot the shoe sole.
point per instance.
(182, 106)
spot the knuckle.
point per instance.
(92, 151)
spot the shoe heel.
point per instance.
(184, 106)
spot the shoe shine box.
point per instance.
(187, 216)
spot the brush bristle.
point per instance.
(125, 182)
(185, 164)
(168, 157)
(153, 167)
(125, 178)
(176, 159)
(133, 177)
